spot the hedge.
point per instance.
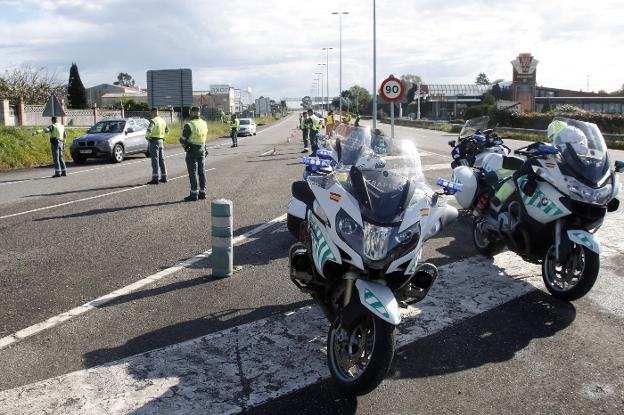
(607, 123)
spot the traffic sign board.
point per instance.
(53, 108)
(392, 89)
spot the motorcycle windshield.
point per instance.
(351, 144)
(472, 125)
(385, 190)
(584, 153)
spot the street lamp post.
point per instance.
(340, 77)
(374, 66)
(320, 74)
(327, 72)
(326, 81)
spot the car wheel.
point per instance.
(118, 153)
(79, 160)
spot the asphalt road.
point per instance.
(173, 339)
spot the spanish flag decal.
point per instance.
(335, 197)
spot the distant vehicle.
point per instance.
(247, 126)
(112, 139)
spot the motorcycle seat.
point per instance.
(512, 163)
(301, 191)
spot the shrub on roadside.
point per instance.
(607, 123)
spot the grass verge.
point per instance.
(19, 149)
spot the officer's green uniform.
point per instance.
(57, 146)
(314, 125)
(234, 129)
(194, 141)
(155, 137)
(305, 130)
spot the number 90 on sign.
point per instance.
(391, 89)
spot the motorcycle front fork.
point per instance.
(558, 226)
(349, 280)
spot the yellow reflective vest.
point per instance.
(158, 128)
(199, 131)
(329, 120)
(58, 131)
(316, 122)
(235, 124)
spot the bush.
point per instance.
(607, 123)
(477, 111)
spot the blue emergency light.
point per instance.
(451, 187)
(547, 149)
(324, 154)
(313, 161)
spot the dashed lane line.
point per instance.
(71, 202)
(98, 302)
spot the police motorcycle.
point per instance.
(358, 257)
(475, 142)
(549, 208)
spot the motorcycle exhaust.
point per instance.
(300, 266)
(418, 286)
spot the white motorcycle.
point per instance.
(365, 222)
(475, 142)
(547, 208)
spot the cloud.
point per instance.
(274, 46)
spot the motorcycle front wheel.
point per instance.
(486, 244)
(359, 356)
(575, 277)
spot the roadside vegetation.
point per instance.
(19, 149)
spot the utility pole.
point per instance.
(340, 77)
(374, 66)
(327, 72)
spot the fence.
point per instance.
(31, 115)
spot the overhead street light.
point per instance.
(327, 72)
(340, 77)
(321, 91)
(326, 82)
(374, 66)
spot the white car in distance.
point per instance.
(247, 126)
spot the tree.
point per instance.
(125, 79)
(130, 104)
(488, 99)
(409, 80)
(482, 79)
(76, 94)
(33, 85)
(361, 98)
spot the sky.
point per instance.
(274, 46)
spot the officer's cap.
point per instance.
(194, 109)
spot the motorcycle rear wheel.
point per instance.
(575, 278)
(360, 356)
(486, 244)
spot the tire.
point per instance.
(586, 264)
(294, 225)
(483, 243)
(79, 160)
(117, 155)
(380, 334)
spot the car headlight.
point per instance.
(584, 193)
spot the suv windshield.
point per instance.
(245, 122)
(107, 127)
(472, 125)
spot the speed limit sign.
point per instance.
(392, 89)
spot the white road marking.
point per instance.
(93, 304)
(441, 166)
(241, 367)
(71, 202)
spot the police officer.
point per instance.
(329, 124)
(346, 117)
(314, 125)
(305, 130)
(194, 141)
(57, 145)
(155, 136)
(235, 128)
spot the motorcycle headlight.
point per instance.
(349, 230)
(376, 240)
(584, 193)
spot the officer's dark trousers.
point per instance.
(234, 135)
(306, 133)
(195, 165)
(58, 147)
(314, 140)
(157, 154)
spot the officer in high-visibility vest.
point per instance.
(329, 124)
(194, 141)
(314, 125)
(57, 145)
(305, 130)
(346, 117)
(234, 129)
(156, 137)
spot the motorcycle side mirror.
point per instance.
(547, 149)
(451, 143)
(619, 166)
(488, 131)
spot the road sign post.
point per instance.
(392, 90)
